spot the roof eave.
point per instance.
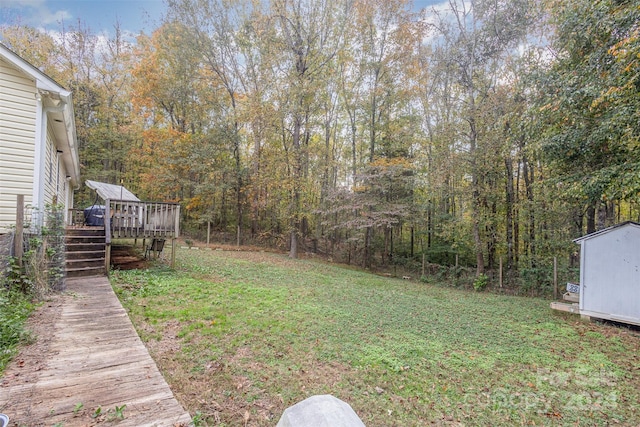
(43, 82)
(604, 230)
(48, 87)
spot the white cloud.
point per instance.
(48, 17)
(36, 12)
(22, 3)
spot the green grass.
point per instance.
(251, 333)
(15, 308)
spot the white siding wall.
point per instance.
(610, 274)
(50, 169)
(17, 140)
(55, 183)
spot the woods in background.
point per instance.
(365, 130)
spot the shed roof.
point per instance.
(112, 192)
(606, 230)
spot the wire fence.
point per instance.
(43, 255)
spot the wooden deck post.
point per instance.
(107, 258)
(173, 253)
(107, 236)
(18, 247)
(176, 231)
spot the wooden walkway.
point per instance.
(94, 358)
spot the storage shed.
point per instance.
(610, 273)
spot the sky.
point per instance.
(100, 16)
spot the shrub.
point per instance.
(15, 307)
(481, 282)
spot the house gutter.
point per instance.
(70, 124)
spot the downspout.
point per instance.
(38, 157)
(41, 156)
(71, 135)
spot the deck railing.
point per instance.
(136, 220)
(75, 217)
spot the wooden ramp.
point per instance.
(94, 359)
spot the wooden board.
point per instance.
(95, 358)
(562, 306)
(571, 297)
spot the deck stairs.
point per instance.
(85, 251)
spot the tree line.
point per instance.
(366, 130)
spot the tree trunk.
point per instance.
(529, 177)
(366, 261)
(297, 177)
(293, 249)
(412, 241)
(509, 197)
(429, 223)
(257, 151)
(478, 246)
(492, 236)
(591, 217)
(476, 204)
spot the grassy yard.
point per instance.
(240, 336)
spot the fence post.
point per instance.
(422, 264)
(18, 247)
(555, 278)
(500, 275)
(208, 232)
(176, 231)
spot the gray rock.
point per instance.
(320, 411)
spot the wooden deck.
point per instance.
(94, 358)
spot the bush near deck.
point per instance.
(240, 336)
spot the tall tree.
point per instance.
(213, 26)
(310, 33)
(590, 103)
(476, 36)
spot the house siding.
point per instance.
(17, 140)
(55, 183)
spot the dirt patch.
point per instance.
(238, 388)
(127, 258)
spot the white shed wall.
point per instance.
(610, 274)
(17, 140)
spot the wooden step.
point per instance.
(85, 271)
(84, 231)
(85, 252)
(563, 306)
(73, 255)
(84, 262)
(84, 247)
(70, 240)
